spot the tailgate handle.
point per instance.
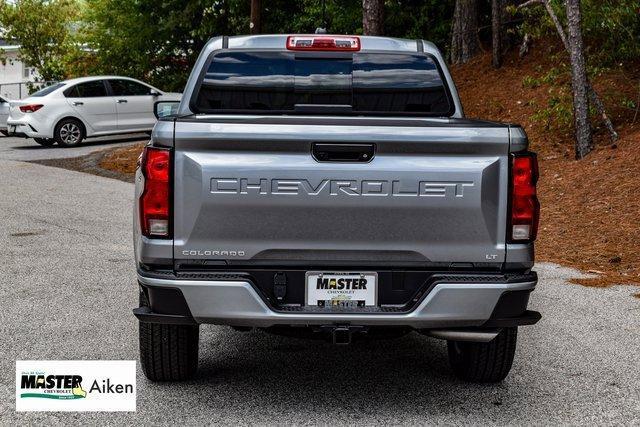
(343, 152)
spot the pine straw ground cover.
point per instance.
(122, 160)
(590, 213)
(590, 209)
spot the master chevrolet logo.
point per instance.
(75, 385)
(66, 386)
(342, 283)
(52, 386)
(335, 187)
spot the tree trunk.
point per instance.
(464, 40)
(372, 17)
(578, 80)
(255, 24)
(497, 32)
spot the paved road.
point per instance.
(68, 286)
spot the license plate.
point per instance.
(11, 129)
(341, 289)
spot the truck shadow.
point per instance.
(301, 376)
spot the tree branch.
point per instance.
(529, 3)
(524, 47)
(557, 23)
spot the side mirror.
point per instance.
(163, 109)
(154, 92)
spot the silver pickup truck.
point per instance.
(330, 186)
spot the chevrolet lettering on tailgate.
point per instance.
(335, 187)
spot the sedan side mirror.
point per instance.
(163, 109)
(154, 92)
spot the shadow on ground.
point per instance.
(382, 376)
(88, 163)
(32, 145)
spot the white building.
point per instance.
(14, 74)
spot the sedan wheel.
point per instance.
(69, 133)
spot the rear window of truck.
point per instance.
(287, 82)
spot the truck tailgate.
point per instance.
(251, 191)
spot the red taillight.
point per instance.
(525, 209)
(324, 42)
(155, 201)
(31, 108)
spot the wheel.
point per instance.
(484, 362)
(45, 142)
(69, 132)
(168, 352)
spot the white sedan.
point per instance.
(72, 110)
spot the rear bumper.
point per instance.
(460, 302)
(15, 132)
(24, 129)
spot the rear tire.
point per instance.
(45, 142)
(484, 362)
(69, 133)
(168, 352)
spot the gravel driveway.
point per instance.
(68, 286)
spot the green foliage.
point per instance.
(611, 28)
(157, 41)
(420, 19)
(44, 31)
(628, 103)
(551, 77)
(559, 111)
(558, 114)
(304, 16)
(430, 19)
(530, 82)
